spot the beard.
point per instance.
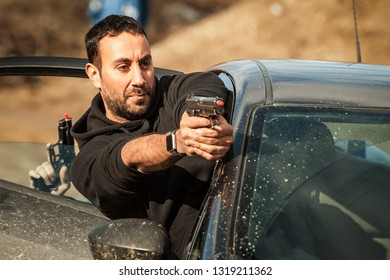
(135, 110)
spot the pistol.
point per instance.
(63, 152)
(207, 107)
(60, 154)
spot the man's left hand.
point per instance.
(200, 136)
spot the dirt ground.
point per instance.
(187, 35)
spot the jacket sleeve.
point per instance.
(99, 174)
(200, 83)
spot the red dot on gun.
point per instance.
(66, 116)
(220, 103)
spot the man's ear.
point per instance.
(93, 74)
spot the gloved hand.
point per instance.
(44, 177)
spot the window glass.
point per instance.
(316, 185)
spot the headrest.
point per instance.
(294, 150)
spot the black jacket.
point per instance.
(171, 197)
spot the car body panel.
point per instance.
(37, 225)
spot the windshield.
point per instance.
(319, 185)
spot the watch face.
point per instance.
(171, 145)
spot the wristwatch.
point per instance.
(171, 144)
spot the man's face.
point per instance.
(126, 76)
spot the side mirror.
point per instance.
(129, 239)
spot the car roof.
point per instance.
(276, 82)
(358, 84)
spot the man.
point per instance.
(124, 166)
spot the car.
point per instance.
(307, 176)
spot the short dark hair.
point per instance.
(112, 25)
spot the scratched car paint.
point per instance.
(307, 176)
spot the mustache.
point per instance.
(142, 90)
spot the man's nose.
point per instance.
(137, 76)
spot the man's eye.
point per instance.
(123, 67)
(146, 64)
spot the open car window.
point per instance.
(316, 183)
(31, 109)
